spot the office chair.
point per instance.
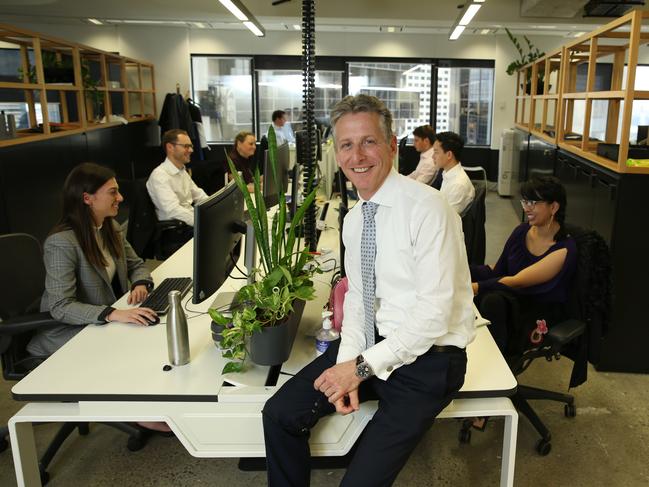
(473, 225)
(577, 337)
(149, 237)
(21, 265)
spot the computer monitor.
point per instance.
(270, 186)
(218, 225)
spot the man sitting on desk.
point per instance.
(171, 188)
(424, 138)
(283, 130)
(451, 178)
(407, 315)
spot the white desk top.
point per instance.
(121, 362)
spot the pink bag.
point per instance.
(336, 300)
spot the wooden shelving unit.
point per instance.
(81, 84)
(537, 96)
(593, 108)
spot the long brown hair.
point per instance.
(77, 216)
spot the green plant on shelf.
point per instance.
(285, 274)
(533, 53)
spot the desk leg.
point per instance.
(509, 450)
(23, 447)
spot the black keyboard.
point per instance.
(158, 300)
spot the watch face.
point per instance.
(363, 370)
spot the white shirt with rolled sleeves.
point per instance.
(173, 193)
(457, 188)
(426, 170)
(423, 284)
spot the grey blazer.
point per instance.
(77, 292)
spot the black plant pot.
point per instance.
(539, 87)
(217, 335)
(272, 345)
(58, 75)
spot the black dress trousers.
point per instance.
(409, 401)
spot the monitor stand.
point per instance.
(224, 301)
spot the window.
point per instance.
(468, 102)
(394, 84)
(282, 90)
(222, 86)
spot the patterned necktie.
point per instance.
(368, 256)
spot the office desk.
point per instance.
(115, 373)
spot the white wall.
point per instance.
(169, 49)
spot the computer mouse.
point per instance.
(153, 321)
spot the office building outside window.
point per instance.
(222, 86)
(404, 88)
(465, 103)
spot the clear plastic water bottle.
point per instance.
(326, 334)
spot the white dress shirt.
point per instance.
(173, 192)
(284, 133)
(426, 170)
(423, 284)
(457, 188)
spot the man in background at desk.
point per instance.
(424, 138)
(170, 186)
(451, 178)
(283, 130)
(408, 315)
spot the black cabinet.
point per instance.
(612, 204)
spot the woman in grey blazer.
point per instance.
(88, 262)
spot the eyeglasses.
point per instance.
(185, 146)
(529, 203)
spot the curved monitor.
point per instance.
(217, 234)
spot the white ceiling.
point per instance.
(409, 16)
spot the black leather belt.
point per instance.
(446, 349)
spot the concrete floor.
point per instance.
(607, 444)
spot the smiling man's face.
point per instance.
(362, 152)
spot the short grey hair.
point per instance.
(362, 104)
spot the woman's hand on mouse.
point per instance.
(138, 316)
(138, 294)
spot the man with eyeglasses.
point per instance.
(171, 188)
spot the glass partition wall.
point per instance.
(241, 93)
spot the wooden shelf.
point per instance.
(617, 43)
(89, 75)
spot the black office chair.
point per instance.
(21, 265)
(473, 225)
(149, 237)
(577, 337)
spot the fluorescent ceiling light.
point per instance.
(297, 27)
(485, 31)
(254, 28)
(457, 32)
(200, 25)
(95, 21)
(478, 1)
(579, 34)
(235, 9)
(470, 13)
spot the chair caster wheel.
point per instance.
(570, 410)
(45, 477)
(135, 444)
(4, 444)
(543, 447)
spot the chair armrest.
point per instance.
(27, 323)
(566, 331)
(164, 225)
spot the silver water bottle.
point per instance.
(177, 334)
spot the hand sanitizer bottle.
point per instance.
(326, 334)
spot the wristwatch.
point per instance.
(363, 369)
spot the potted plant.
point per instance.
(533, 54)
(264, 323)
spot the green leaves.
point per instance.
(532, 55)
(286, 275)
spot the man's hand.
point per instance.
(338, 381)
(348, 403)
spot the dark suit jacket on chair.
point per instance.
(76, 291)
